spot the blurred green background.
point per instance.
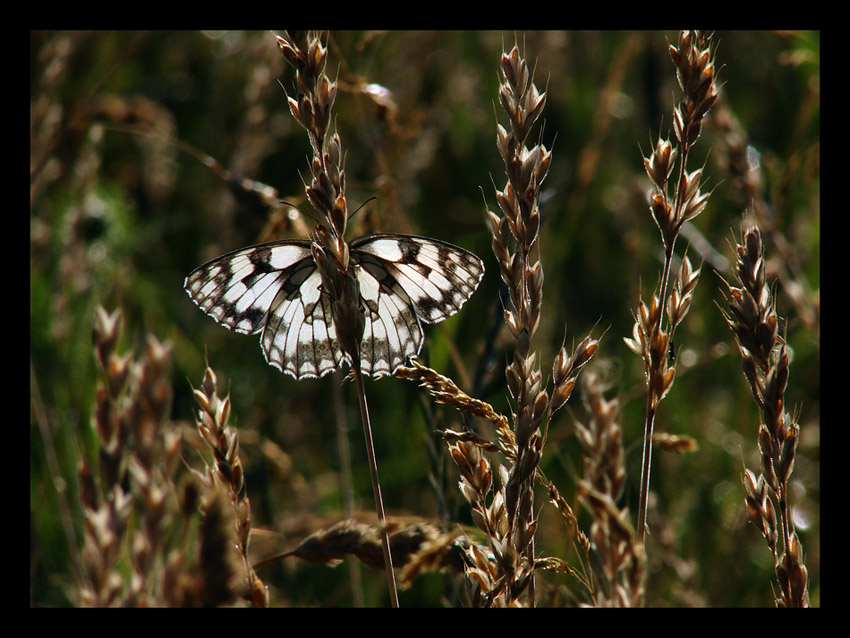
(123, 207)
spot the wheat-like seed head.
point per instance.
(312, 107)
(225, 476)
(136, 507)
(753, 319)
(500, 576)
(622, 557)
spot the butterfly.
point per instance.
(275, 289)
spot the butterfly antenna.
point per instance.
(362, 206)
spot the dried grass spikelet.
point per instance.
(218, 568)
(753, 319)
(652, 338)
(565, 370)
(678, 443)
(676, 197)
(139, 452)
(137, 509)
(622, 557)
(514, 235)
(445, 391)
(475, 471)
(504, 571)
(488, 581)
(224, 475)
(417, 546)
(312, 107)
(695, 71)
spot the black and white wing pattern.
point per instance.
(275, 289)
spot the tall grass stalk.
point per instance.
(312, 108)
(652, 336)
(508, 519)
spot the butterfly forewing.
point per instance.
(438, 277)
(275, 288)
(237, 289)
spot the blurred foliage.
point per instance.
(123, 206)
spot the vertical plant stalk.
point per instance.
(514, 243)
(753, 319)
(312, 106)
(509, 520)
(518, 227)
(346, 484)
(651, 337)
(376, 488)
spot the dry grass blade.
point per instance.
(418, 546)
(445, 391)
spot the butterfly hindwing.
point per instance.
(392, 330)
(299, 337)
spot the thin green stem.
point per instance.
(376, 486)
(652, 404)
(347, 488)
(644, 470)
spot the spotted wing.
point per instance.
(275, 289)
(272, 288)
(299, 337)
(238, 288)
(392, 331)
(437, 277)
(405, 279)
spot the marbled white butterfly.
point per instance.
(276, 289)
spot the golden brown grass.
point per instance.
(753, 319)
(142, 547)
(672, 205)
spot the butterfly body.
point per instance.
(276, 289)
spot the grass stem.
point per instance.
(376, 486)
